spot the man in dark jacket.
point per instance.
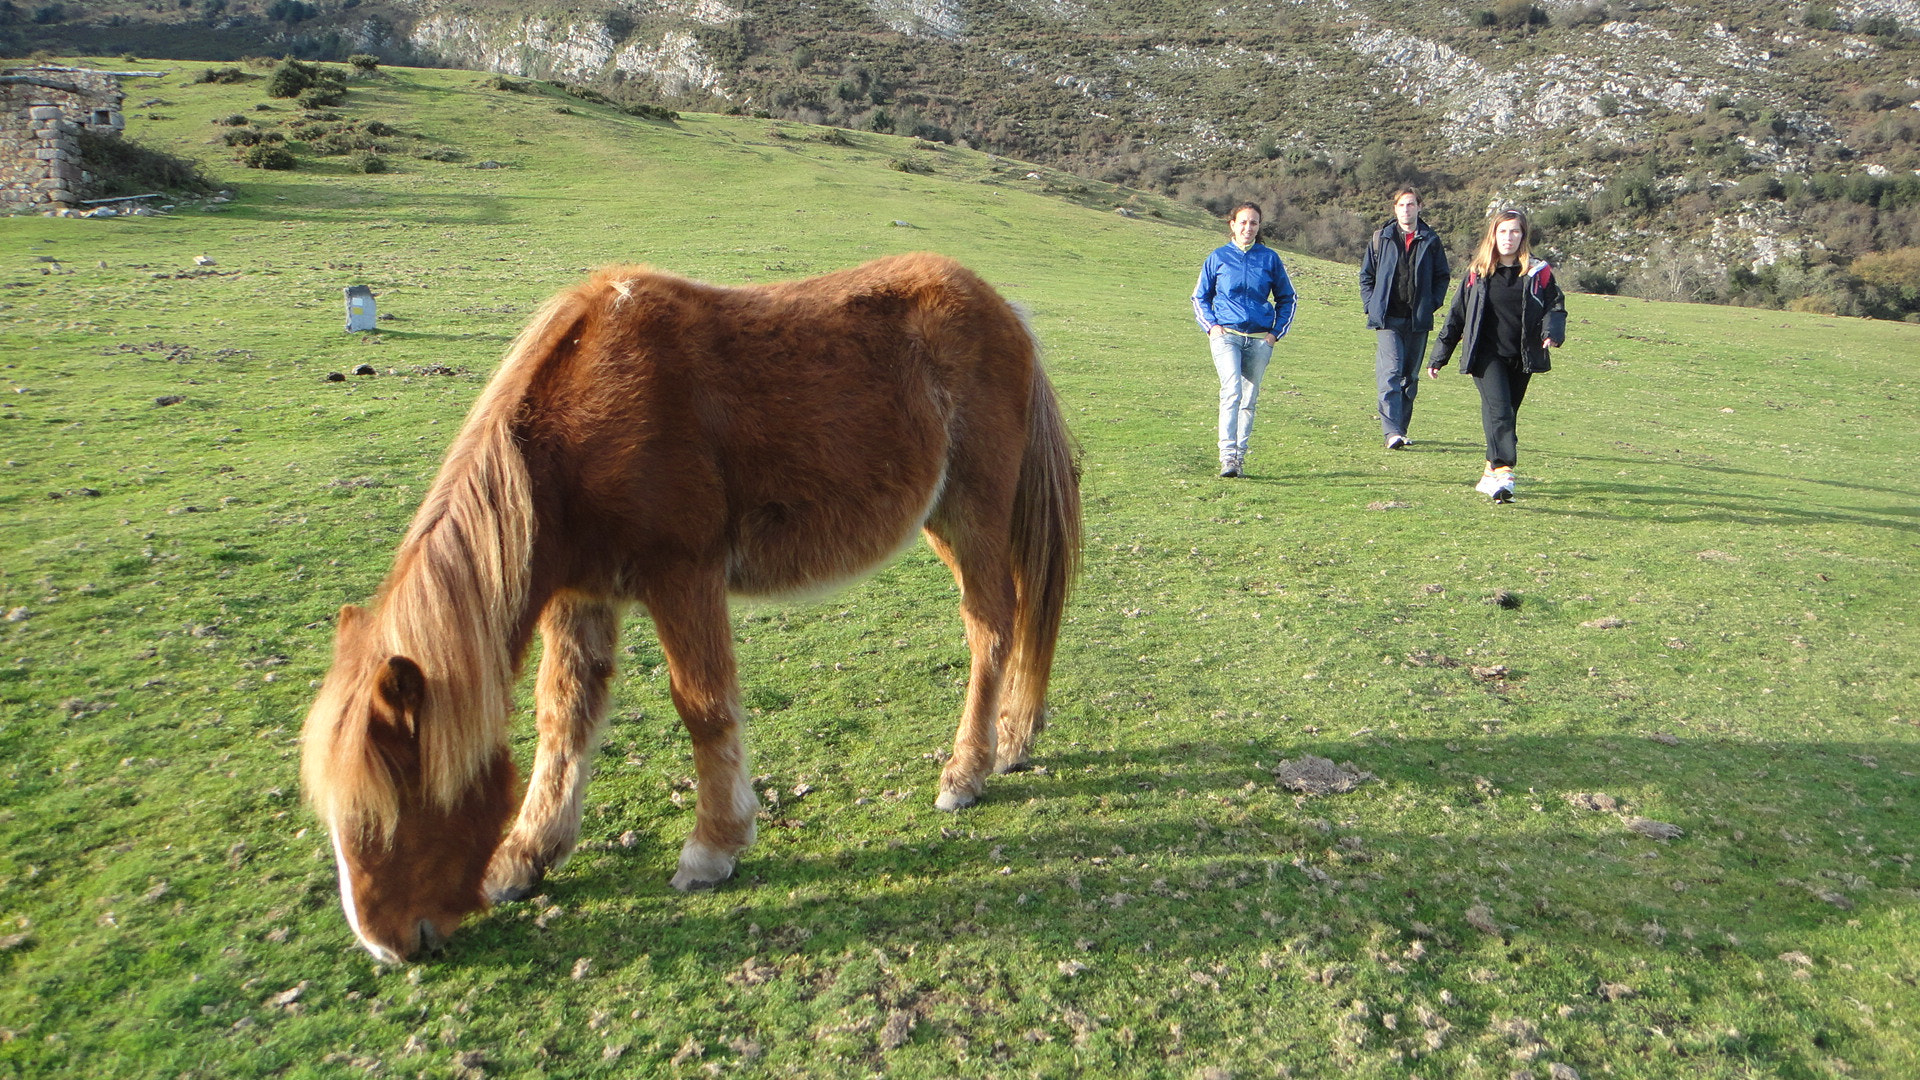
(1403, 281)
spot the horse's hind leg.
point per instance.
(980, 567)
(691, 619)
(579, 634)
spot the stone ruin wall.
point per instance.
(42, 111)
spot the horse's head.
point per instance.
(413, 819)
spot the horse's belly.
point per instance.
(787, 544)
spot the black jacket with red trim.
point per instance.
(1543, 318)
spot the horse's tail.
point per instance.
(1046, 555)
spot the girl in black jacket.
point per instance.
(1507, 314)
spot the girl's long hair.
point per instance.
(1486, 257)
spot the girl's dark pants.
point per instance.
(1502, 386)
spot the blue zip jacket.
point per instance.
(1234, 290)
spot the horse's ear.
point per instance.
(350, 625)
(402, 688)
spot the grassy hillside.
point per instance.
(1708, 621)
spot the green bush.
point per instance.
(364, 62)
(293, 79)
(369, 162)
(222, 75)
(121, 166)
(1884, 26)
(650, 112)
(1518, 13)
(268, 157)
(289, 79)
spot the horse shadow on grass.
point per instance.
(1194, 847)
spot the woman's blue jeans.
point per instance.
(1241, 362)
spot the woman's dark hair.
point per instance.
(1255, 207)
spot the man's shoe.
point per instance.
(1398, 442)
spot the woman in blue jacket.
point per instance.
(1507, 314)
(1244, 302)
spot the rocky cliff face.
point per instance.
(577, 49)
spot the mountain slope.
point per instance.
(1752, 151)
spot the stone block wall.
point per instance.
(42, 112)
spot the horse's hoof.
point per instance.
(686, 882)
(1021, 765)
(954, 800)
(702, 868)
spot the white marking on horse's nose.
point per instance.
(380, 952)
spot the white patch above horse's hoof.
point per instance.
(702, 867)
(954, 800)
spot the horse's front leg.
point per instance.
(571, 707)
(690, 616)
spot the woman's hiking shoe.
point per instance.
(1497, 482)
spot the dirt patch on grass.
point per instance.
(1318, 776)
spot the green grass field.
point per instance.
(1714, 557)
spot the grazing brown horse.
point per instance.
(657, 441)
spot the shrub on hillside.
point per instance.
(1675, 274)
(222, 75)
(268, 157)
(1890, 281)
(1592, 279)
(292, 78)
(650, 112)
(369, 162)
(364, 62)
(121, 166)
(291, 11)
(1883, 26)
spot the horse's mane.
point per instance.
(453, 603)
